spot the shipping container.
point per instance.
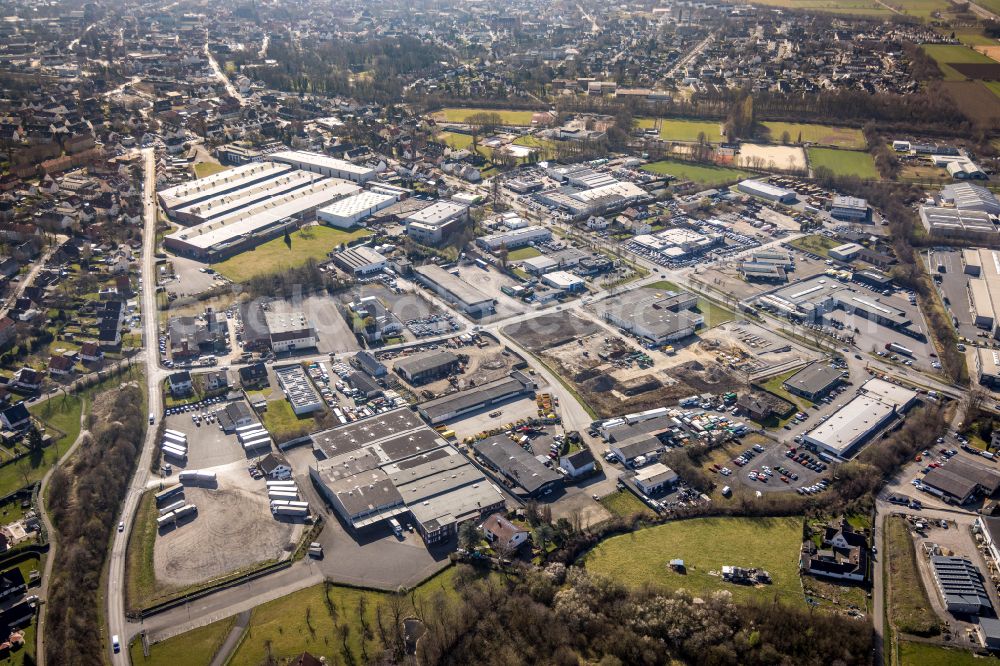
(275, 503)
(207, 476)
(185, 511)
(282, 494)
(249, 446)
(276, 484)
(174, 433)
(167, 493)
(172, 507)
(176, 439)
(291, 511)
(165, 520)
(249, 428)
(251, 435)
(190, 475)
(180, 455)
(294, 503)
(174, 445)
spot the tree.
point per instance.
(468, 535)
(786, 138)
(502, 254)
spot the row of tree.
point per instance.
(84, 498)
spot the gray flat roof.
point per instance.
(458, 288)
(353, 436)
(515, 463)
(467, 399)
(364, 492)
(814, 378)
(429, 360)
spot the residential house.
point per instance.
(579, 463)
(253, 376)
(91, 353)
(844, 555)
(26, 379)
(501, 532)
(275, 467)
(12, 584)
(60, 366)
(217, 380)
(181, 384)
(15, 417)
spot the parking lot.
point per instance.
(190, 277)
(954, 288)
(208, 446)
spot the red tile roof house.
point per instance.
(498, 529)
(60, 366)
(91, 352)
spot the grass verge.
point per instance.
(197, 646)
(910, 610)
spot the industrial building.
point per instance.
(564, 281)
(247, 227)
(353, 210)
(849, 209)
(393, 466)
(458, 404)
(298, 389)
(966, 196)
(677, 244)
(758, 188)
(877, 404)
(960, 586)
(514, 238)
(988, 367)
(589, 192)
(655, 478)
(813, 381)
(845, 252)
(811, 299)
(218, 184)
(527, 475)
(657, 318)
(426, 366)
(960, 225)
(324, 165)
(960, 481)
(431, 225)
(459, 293)
(289, 331)
(360, 261)
(755, 271)
(984, 287)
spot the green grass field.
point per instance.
(625, 504)
(921, 654)
(456, 140)
(703, 174)
(910, 610)
(202, 169)
(714, 314)
(826, 135)
(274, 256)
(523, 253)
(303, 621)
(918, 8)
(282, 422)
(817, 244)
(196, 647)
(60, 413)
(972, 38)
(843, 162)
(509, 117)
(705, 545)
(953, 53)
(678, 129)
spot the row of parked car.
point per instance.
(748, 455)
(805, 459)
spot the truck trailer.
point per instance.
(167, 493)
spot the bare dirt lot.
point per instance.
(787, 158)
(234, 529)
(550, 330)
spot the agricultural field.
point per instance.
(274, 256)
(507, 116)
(844, 162)
(978, 99)
(947, 55)
(824, 135)
(678, 129)
(706, 545)
(703, 174)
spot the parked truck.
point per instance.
(168, 493)
(898, 349)
(170, 508)
(299, 511)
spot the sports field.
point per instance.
(509, 117)
(706, 545)
(679, 129)
(273, 256)
(843, 162)
(944, 54)
(703, 174)
(456, 140)
(824, 135)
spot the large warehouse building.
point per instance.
(758, 188)
(966, 196)
(324, 165)
(239, 230)
(877, 404)
(394, 466)
(514, 238)
(984, 288)
(658, 317)
(960, 225)
(459, 293)
(457, 404)
(431, 225)
(353, 210)
(228, 183)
